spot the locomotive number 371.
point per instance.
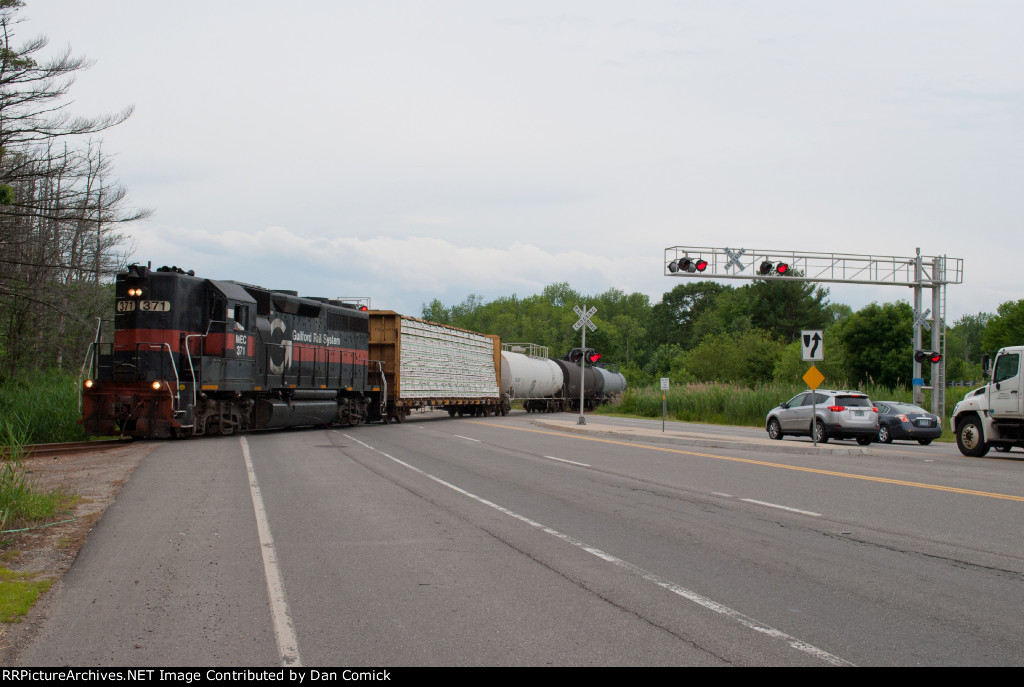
(145, 306)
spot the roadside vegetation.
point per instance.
(22, 503)
(18, 592)
(734, 404)
(22, 506)
(41, 407)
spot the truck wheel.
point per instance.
(969, 437)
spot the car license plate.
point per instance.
(858, 413)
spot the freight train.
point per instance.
(193, 356)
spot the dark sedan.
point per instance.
(906, 421)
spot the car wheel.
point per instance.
(969, 437)
(924, 442)
(863, 441)
(820, 435)
(774, 429)
(883, 435)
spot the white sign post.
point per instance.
(664, 388)
(812, 344)
(584, 320)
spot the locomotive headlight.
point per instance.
(156, 386)
(135, 293)
(88, 384)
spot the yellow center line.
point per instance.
(764, 463)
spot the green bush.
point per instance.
(42, 406)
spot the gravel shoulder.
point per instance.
(49, 552)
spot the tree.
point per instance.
(674, 319)
(784, 308)
(746, 357)
(1006, 328)
(60, 210)
(878, 341)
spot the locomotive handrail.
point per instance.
(383, 384)
(188, 354)
(176, 396)
(89, 356)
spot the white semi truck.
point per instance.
(993, 416)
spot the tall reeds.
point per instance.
(733, 404)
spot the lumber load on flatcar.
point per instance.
(421, 364)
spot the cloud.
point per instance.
(398, 273)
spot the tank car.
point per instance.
(194, 356)
(546, 385)
(535, 380)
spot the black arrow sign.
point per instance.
(807, 342)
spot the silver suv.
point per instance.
(840, 414)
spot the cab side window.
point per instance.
(1006, 367)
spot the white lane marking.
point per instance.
(696, 598)
(466, 438)
(284, 629)
(563, 460)
(719, 493)
(775, 505)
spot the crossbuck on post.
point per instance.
(584, 320)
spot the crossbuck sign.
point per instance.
(584, 319)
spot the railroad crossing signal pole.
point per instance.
(584, 320)
(918, 272)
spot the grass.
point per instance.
(22, 505)
(18, 592)
(42, 406)
(732, 404)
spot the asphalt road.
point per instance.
(501, 541)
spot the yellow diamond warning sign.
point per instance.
(814, 378)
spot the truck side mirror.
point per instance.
(985, 368)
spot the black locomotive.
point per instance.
(195, 356)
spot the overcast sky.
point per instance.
(411, 150)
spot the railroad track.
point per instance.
(66, 448)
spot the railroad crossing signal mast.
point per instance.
(917, 272)
(582, 325)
